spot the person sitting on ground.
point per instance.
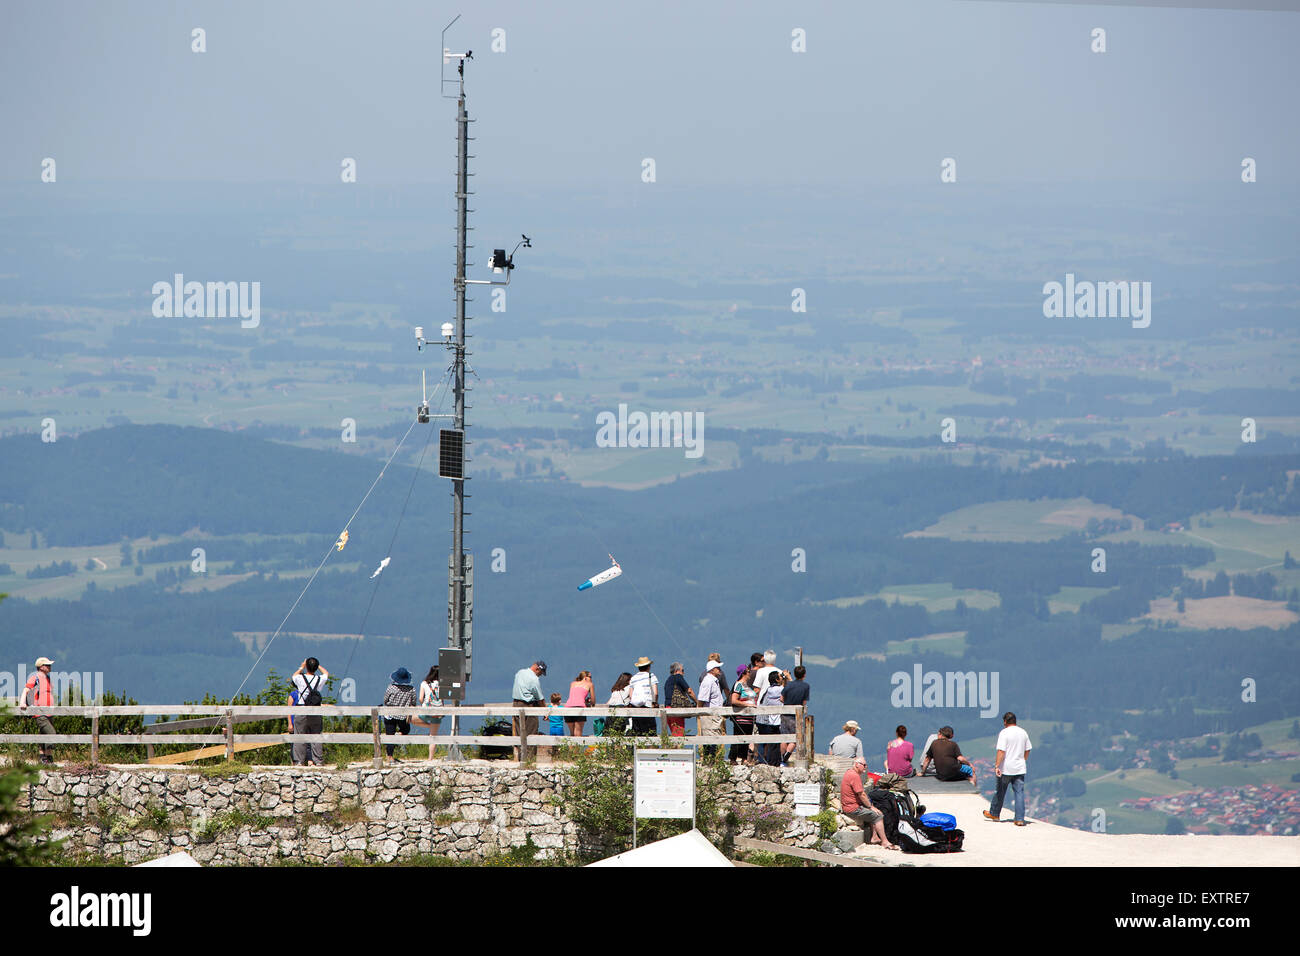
(847, 746)
(949, 764)
(926, 749)
(898, 754)
(399, 693)
(855, 806)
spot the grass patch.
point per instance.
(211, 828)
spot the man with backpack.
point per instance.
(643, 691)
(309, 679)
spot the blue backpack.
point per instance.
(944, 821)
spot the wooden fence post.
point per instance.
(810, 736)
(230, 736)
(94, 737)
(374, 727)
(801, 740)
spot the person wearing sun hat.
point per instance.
(643, 691)
(42, 691)
(400, 693)
(711, 694)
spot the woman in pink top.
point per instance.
(581, 694)
(899, 753)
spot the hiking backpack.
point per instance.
(915, 837)
(310, 697)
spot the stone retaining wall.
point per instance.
(322, 815)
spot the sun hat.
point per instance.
(400, 676)
(850, 725)
(42, 661)
(709, 665)
(643, 661)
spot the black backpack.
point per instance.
(894, 805)
(310, 697)
(915, 837)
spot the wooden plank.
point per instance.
(94, 740)
(201, 723)
(230, 736)
(374, 726)
(217, 751)
(745, 843)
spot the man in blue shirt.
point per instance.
(528, 693)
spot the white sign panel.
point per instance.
(808, 793)
(807, 799)
(663, 783)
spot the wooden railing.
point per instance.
(223, 718)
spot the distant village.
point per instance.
(1248, 809)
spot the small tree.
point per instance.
(598, 797)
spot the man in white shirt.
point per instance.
(643, 691)
(711, 695)
(925, 750)
(310, 680)
(766, 668)
(1010, 766)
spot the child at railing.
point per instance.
(556, 722)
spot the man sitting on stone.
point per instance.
(855, 806)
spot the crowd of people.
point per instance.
(760, 683)
(1011, 755)
(305, 691)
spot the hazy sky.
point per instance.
(586, 90)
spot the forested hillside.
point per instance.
(708, 566)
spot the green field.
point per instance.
(15, 552)
(1071, 599)
(934, 597)
(1018, 520)
(951, 642)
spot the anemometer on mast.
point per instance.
(451, 441)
